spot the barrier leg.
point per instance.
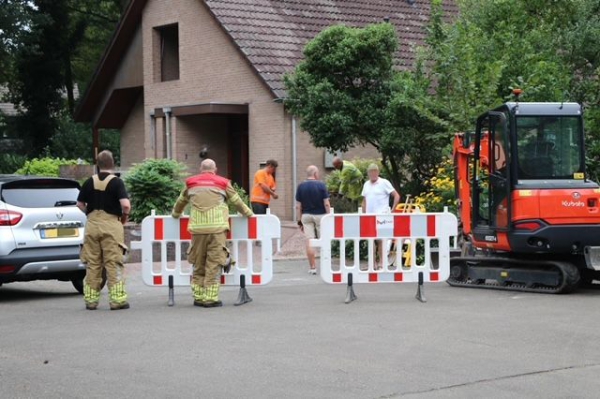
(350, 296)
(243, 296)
(171, 292)
(420, 291)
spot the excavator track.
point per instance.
(510, 274)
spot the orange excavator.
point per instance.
(528, 214)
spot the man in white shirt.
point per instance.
(376, 193)
(376, 199)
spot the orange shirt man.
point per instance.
(264, 188)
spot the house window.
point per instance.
(166, 60)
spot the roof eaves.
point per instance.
(125, 27)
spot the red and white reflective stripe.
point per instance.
(165, 230)
(386, 277)
(171, 231)
(240, 229)
(229, 279)
(418, 230)
(385, 226)
(243, 228)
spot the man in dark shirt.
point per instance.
(103, 198)
(312, 203)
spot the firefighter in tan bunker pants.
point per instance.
(209, 195)
(103, 198)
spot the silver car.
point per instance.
(41, 230)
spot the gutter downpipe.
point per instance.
(281, 100)
(153, 133)
(294, 167)
(167, 111)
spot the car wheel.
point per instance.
(78, 281)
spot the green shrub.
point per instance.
(363, 248)
(154, 184)
(332, 181)
(44, 166)
(243, 195)
(340, 204)
(440, 191)
(343, 204)
(10, 163)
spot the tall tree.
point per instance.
(92, 24)
(551, 49)
(39, 73)
(347, 93)
(14, 17)
(53, 48)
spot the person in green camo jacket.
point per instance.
(351, 178)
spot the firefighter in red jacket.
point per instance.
(209, 195)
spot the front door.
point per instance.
(238, 150)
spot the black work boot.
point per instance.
(213, 304)
(119, 306)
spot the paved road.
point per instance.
(299, 340)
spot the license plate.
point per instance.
(59, 233)
(592, 257)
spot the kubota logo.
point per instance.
(573, 204)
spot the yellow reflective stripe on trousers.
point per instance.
(117, 294)
(199, 293)
(90, 295)
(212, 293)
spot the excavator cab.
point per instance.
(550, 147)
(524, 200)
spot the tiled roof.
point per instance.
(273, 33)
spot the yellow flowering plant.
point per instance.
(440, 190)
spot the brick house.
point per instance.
(181, 77)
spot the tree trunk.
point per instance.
(69, 83)
(393, 171)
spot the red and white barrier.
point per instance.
(166, 231)
(418, 231)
